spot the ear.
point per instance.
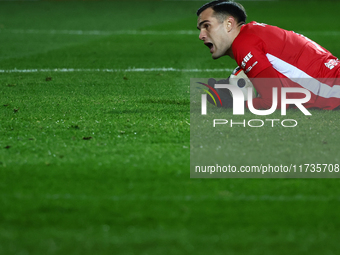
(230, 23)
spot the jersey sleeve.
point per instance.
(264, 87)
(250, 54)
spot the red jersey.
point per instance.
(265, 51)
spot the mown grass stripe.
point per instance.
(282, 198)
(136, 32)
(70, 70)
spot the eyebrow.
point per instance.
(201, 23)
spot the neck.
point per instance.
(235, 33)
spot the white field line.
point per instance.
(282, 198)
(205, 1)
(19, 0)
(71, 70)
(135, 32)
(321, 33)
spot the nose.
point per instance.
(202, 35)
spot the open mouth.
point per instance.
(210, 46)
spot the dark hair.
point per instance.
(223, 8)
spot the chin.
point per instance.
(215, 57)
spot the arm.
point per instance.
(250, 55)
(264, 82)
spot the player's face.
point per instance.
(213, 33)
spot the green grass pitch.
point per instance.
(94, 154)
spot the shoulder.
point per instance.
(248, 38)
(258, 35)
(249, 49)
(249, 34)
